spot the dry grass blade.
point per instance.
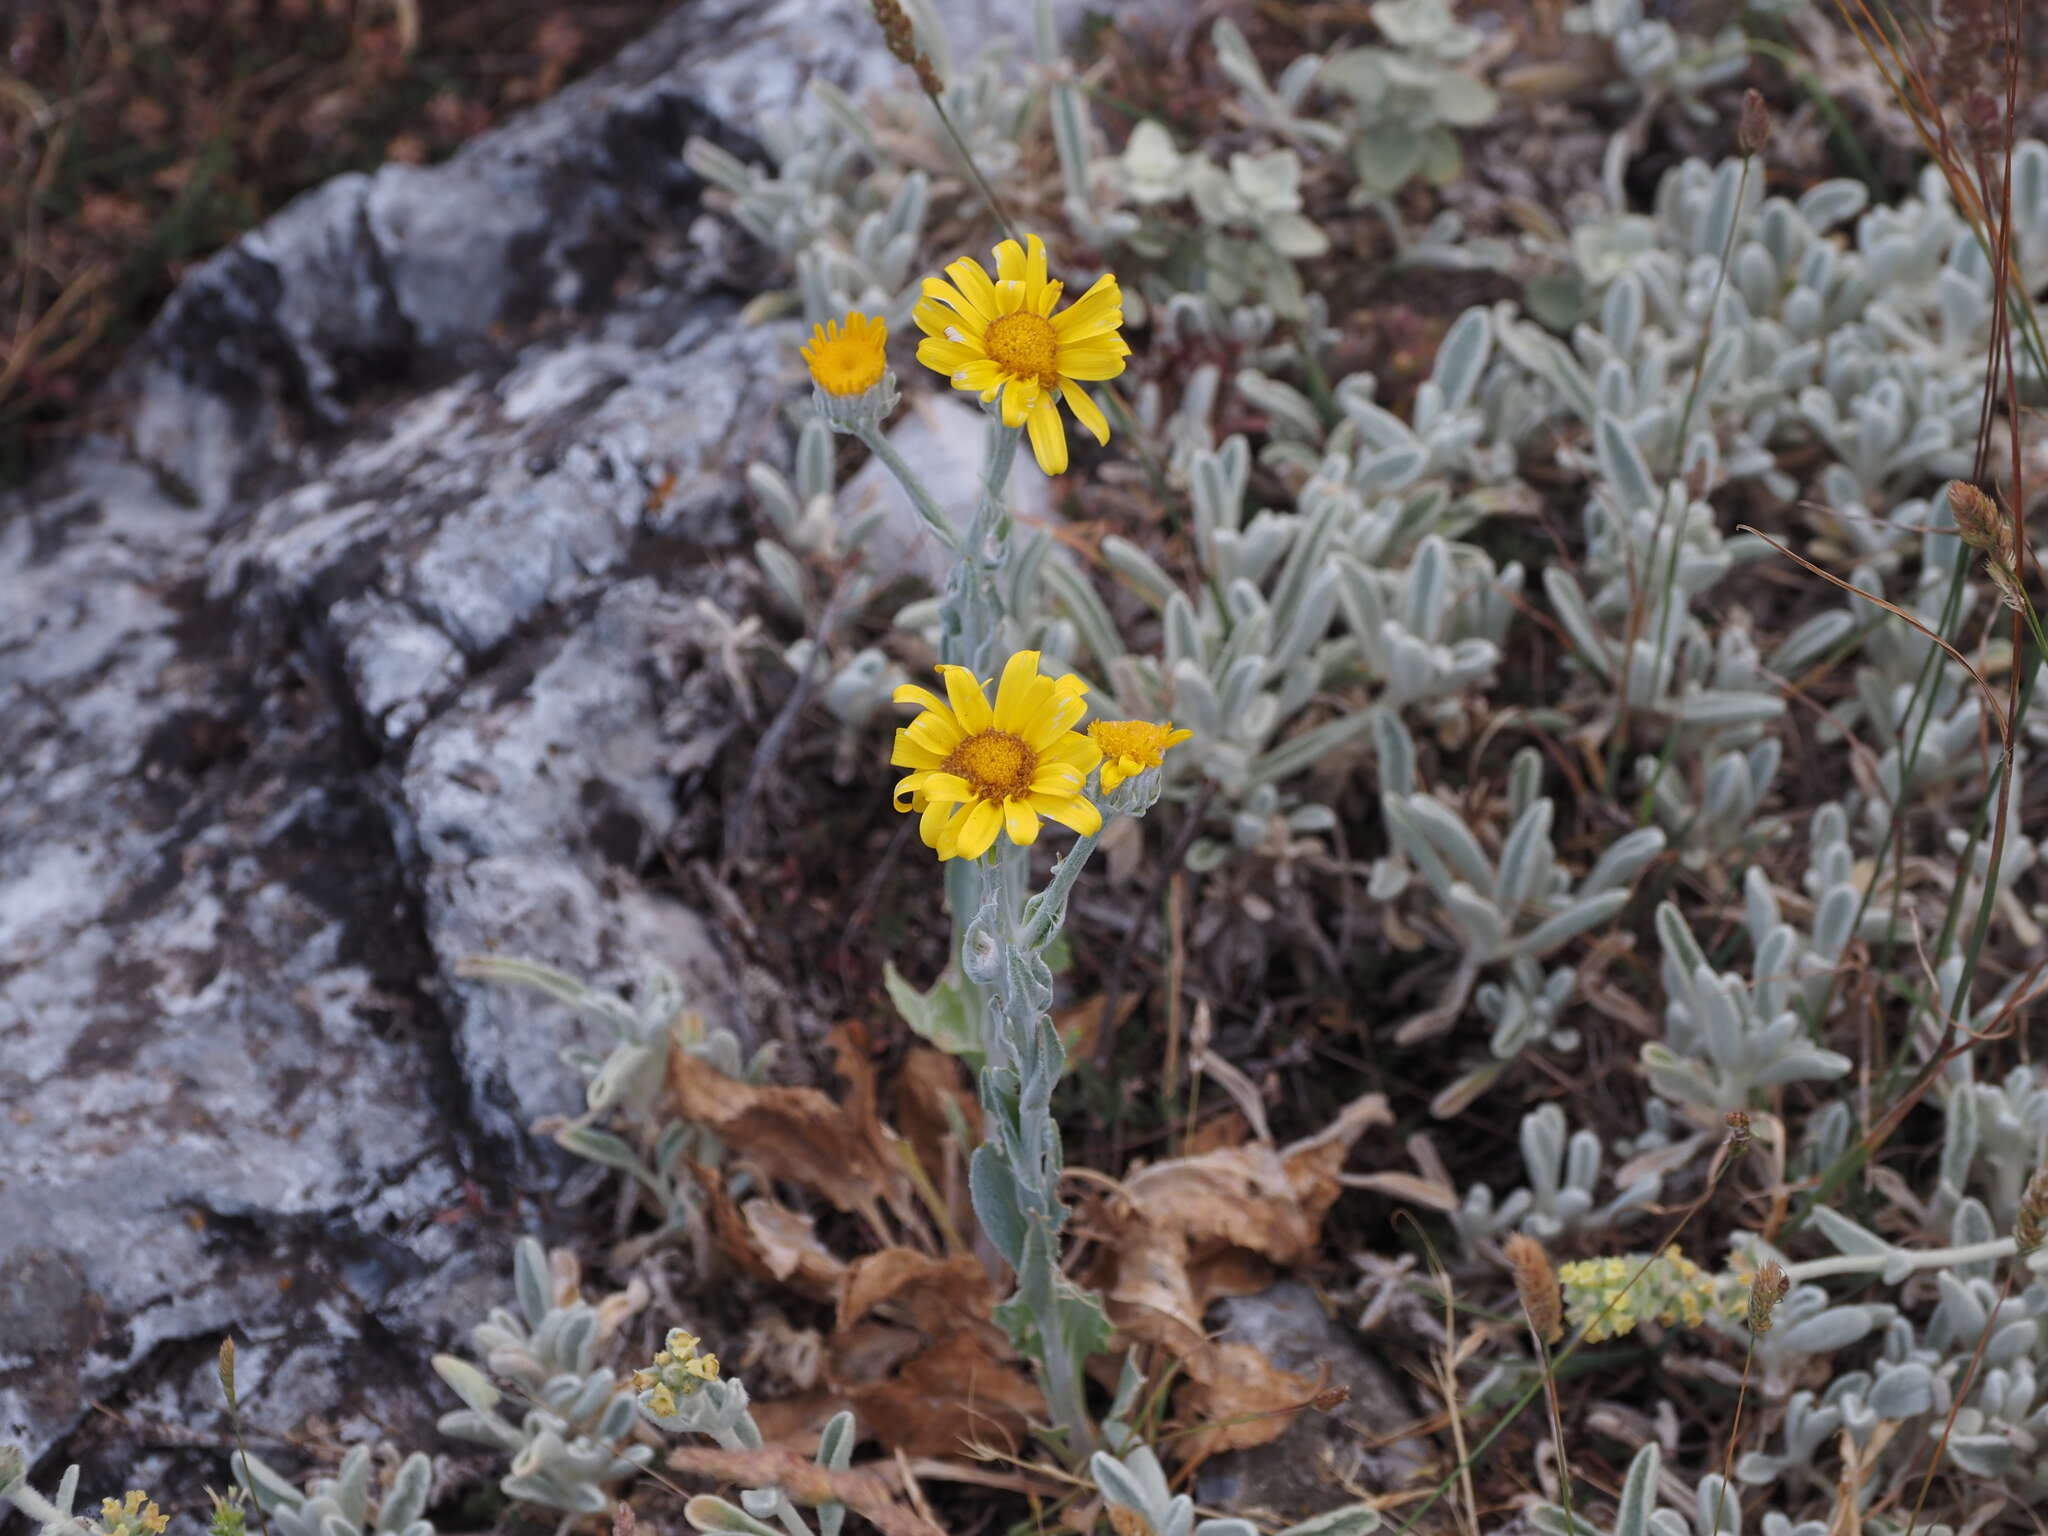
(1998, 713)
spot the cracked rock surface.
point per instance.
(382, 628)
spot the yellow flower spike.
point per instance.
(1000, 336)
(980, 771)
(1129, 747)
(849, 359)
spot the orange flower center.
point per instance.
(1026, 346)
(998, 765)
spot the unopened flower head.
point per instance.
(849, 364)
(1765, 1292)
(1129, 747)
(1977, 518)
(136, 1515)
(678, 1371)
(230, 1514)
(1600, 1298)
(2030, 1226)
(1536, 1284)
(979, 771)
(1001, 337)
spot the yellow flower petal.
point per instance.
(1074, 811)
(974, 285)
(1021, 822)
(1085, 410)
(1048, 435)
(978, 830)
(970, 704)
(1019, 396)
(1014, 690)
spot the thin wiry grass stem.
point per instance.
(1529, 1395)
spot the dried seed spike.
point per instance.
(1753, 129)
(1978, 520)
(624, 1521)
(1765, 1292)
(1536, 1283)
(1737, 1121)
(2030, 1227)
(227, 1367)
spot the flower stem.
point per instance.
(1911, 1259)
(913, 487)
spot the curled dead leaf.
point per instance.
(1186, 1232)
(838, 1150)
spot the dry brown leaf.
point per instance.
(931, 1089)
(935, 1295)
(871, 1491)
(1410, 1187)
(788, 1246)
(1188, 1231)
(956, 1393)
(840, 1151)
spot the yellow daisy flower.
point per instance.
(850, 359)
(979, 771)
(1129, 747)
(1003, 337)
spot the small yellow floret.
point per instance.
(661, 1403)
(850, 358)
(1129, 747)
(133, 1516)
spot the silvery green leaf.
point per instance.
(1183, 634)
(1986, 1456)
(1902, 1391)
(775, 497)
(1718, 707)
(993, 1187)
(408, 1494)
(1448, 834)
(1139, 569)
(469, 1383)
(1621, 461)
(1074, 595)
(1482, 923)
(267, 1486)
(1804, 1065)
(1229, 1525)
(1311, 746)
(1295, 235)
(814, 461)
(709, 1513)
(1568, 924)
(1570, 606)
(1825, 1332)
(1514, 882)
(531, 1280)
(1718, 1507)
(1351, 1520)
(351, 1490)
(1828, 203)
(1638, 1493)
(1125, 1485)
(599, 1147)
(1623, 861)
(760, 1501)
(1461, 359)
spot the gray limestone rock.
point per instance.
(385, 630)
(1323, 1456)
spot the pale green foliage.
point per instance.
(626, 1124)
(570, 1443)
(348, 1504)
